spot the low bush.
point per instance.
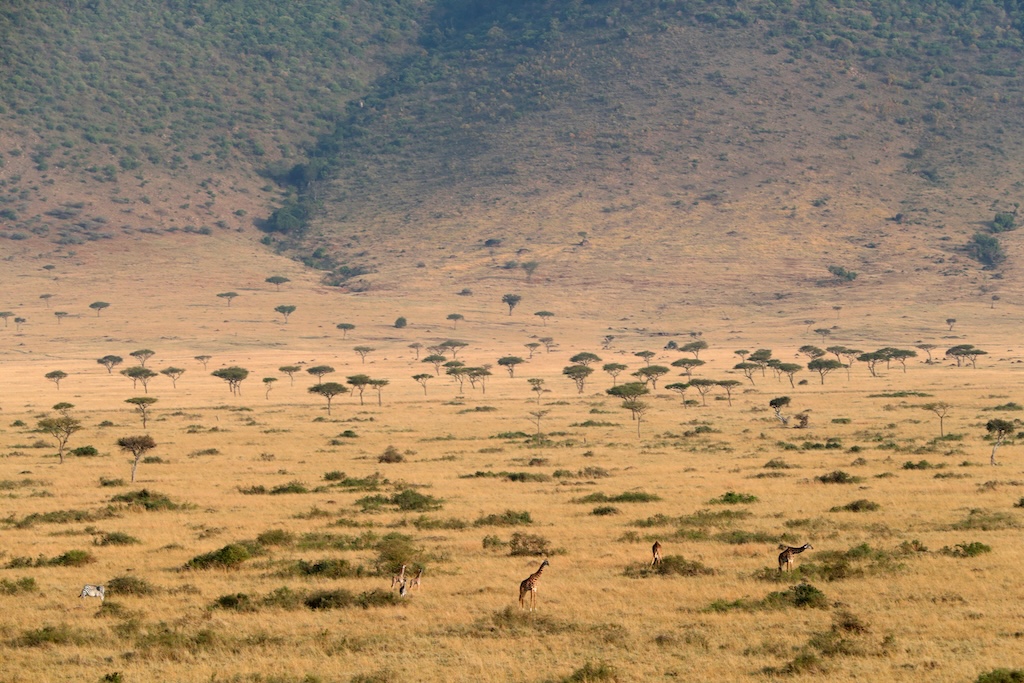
(838, 477)
(507, 518)
(1001, 676)
(733, 498)
(228, 557)
(605, 510)
(72, 558)
(862, 505)
(146, 499)
(627, 497)
(129, 585)
(84, 451)
(967, 549)
(528, 545)
(23, 585)
(115, 538)
(670, 565)
(391, 455)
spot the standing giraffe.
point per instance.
(529, 585)
(656, 551)
(786, 556)
(399, 578)
(414, 582)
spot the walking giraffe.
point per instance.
(529, 585)
(656, 551)
(786, 556)
(414, 582)
(399, 578)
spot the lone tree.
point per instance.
(777, 404)
(532, 347)
(364, 351)
(234, 376)
(941, 409)
(927, 348)
(345, 328)
(748, 370)
(824, 333)
(530, 267)
(703, 387)
(585, 358)
(97, 306)
(511, 300)
(729, 385)
(175, 374)
(285, 311)
(56, 376)
(359, 384)
(229, 296)
(18, 322)
(60, 315)
(139, 374)
(137, 446)
(578, 374)
(328, 390)
(317, 371)
(203, 359)
(537, 387)
(680, 388)
(951, 322)
(379, 384)
(142, 405)
(687, 364)
(268, 382)
(646, 355)
(5, 315)
(614, 369)
(694, 347)
(142, 355)
(423, 378)
(290, 370)
(46, 299)
(110, 362)
(416, 346)
(435, 359)
(455, 318)
(824, 366)
(277, 281)
(544, 315)
(61, 428)
(510, 363)
(998, 431)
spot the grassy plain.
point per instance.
(898, 609)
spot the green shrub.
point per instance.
(423, 523)
(592, 673)
(51, 635)
(627, 497)
(670, 565)
(276, 537)
(237, 602)
(104, 482)
(838, 477)
(967, 549)
(412, 500)
(290, 487)
(733, 498)
(528, 544)
(739, 537)
(509, 518)
(327, 569)
(778, 464)
(23, 585)
(391, 455)
(983, 520)
(228, 557)
(605, 510)
(862, 505)
(129, 585)
(920, 465)
(84, 451)
(1001, 676)
(116, 538)
(146, 499)
(72, 558)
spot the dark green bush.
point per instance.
(129, 585)
(967, 549)
(605, 510)
(116, 538)
(507, 518)
(23, 585)
(733, 498)
(228, 557)
(670, 565)
(238, 602)
(838, 477)
(276, 537)
(290, 487)
(528, 544)
(72, 558)
(84, 451)
(149, 500)
(862, 505)
(1001, 676)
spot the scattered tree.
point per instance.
(268, 382)
(458, 371)
(965, 351)
(137, 446)
(578, 374)
(174, 374)
(56, 376)
(46, 299)
(585, 358)
(359, 384)
(423, 379)
(544, 315)
(285, 311)
(110, 362)
(694, 347)
(537, 387)
(345, 328)
(378, 386)
(703, 387)
(416, 346)
(742, 353)
(789, 369)
(652, 373)
(951, 322)
(614, 369)
(927, 348)
(455, 318)
(328, 390)
(277, 281)
(536, 416)
(290, 370)
(998, 430)
(530, 267)
(761, 357)
(639, 409)
(812, 352)
(646, 355)
(364, 351)
(680, 388)
(510, 363)
(777, 404)
(317, 371)
(142, 355)
(687, 364)
(60, 315)
(203, 359)
(532, 346)
(748, 370)
(729, 385)
(511, 300)
(142, 405)
(138, 374)
(229, 296)
(234, 376)
(824, 366)
(437, 360)
(823, 332)
(941, 409)
(97, 306)
(901, 356)
(548, 342)
(61, 428)
(18, 322)
(478, 375)
(454, 346)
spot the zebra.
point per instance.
(91, 591)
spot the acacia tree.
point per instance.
(142, 405)
(927, 348)
(97, 306)
(585, 358)
(56, 376)
(455, 318)
(536, 416)
(998, 430)
(510, 363)
(694, 347)
(203, 359)
(614, 369)
(142, 355)
(529, 267)
(871, 359)
(359, 384)
(110, 362)
(901, 355)
(328, 390)
(646, 355)
(318, 371)
(61, 428)
(363, 352)
(824, 366)
(680, 388)
(416, 346)
(137, 446)
(18, 322)
(951, 322)
(789, 369)
(761, 358)
(457, 370)
(548, 342)
(777, 404)
(46, 299)
(824, 333)
(968, 351)
(277, 281)
(285, 311)
(378, 385)
(290, 370)
(435, 359)
(729, 385)
(345, 328)
(268, 382)
(532, 346)
(234, 376)
(703, 387)
(629, 392)
(748, 370)
(742, 353)
(652, 373)
(229, 296)
(537, 387)
(480, 374)
(941, 409)
(687, 364)
(578, 374)
(60, 315)
(812, 352)
(452, 345)
(175, 374)
(544, 315)
(511, 300)
(423, 379)
(5, 315)
(639, 409)
(139, 374)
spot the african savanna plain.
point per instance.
(326, 324)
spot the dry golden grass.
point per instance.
(928, 616)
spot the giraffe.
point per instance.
(529, 585)
(656, 551)
(399, 578)
(786, 556)
(414, 582)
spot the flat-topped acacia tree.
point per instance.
(510, 363)
(285, 311)
(268, 382)
(318, 371)
(345, 329)
(511, 300)
(423, 378)
(364, 351)
(110, 362)
(5, 315)
(98, 306)
(174, 373)
(359, 384)
(142, 404)
(277, 281)
(544, 315)
(142, 355)
(203, 359)
(56, 376)
(290, 370)
(61, 428)
(234, 376)
(139, 374)
(137, 446)
(455, 318)
(328, 390)
(229, 296)
(579, 375)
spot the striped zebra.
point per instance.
(91, 591)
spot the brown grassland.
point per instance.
(897, 601)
